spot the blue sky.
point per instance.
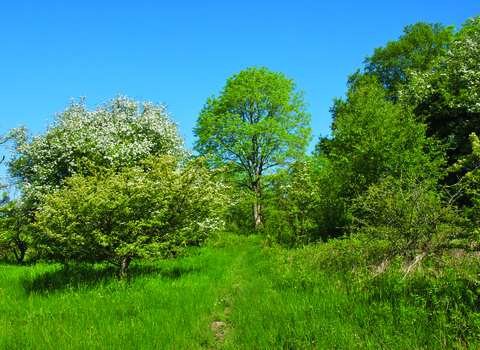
(181, 52)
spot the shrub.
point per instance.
(141, 212)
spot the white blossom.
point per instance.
(118, 133)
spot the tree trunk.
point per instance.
(124, 262)
(21, 247)
(257, 204)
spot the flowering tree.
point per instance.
(414, 50)
(448, 96)
(140, 212)
(118, 133)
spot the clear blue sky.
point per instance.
(181, 52)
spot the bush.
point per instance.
(408, 214)
(120, 133)
(143, 212)
(290, 205)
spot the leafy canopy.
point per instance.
(259, 121)
(371, 138)
(447, 96)
(416, 49)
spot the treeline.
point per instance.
(398, 172)
(400, 165)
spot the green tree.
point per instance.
(14, 231)
(141, 212)
(417, 49)
(371, 138)
(259, 122)
(447, 97)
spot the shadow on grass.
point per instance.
(85, 277)
(14, 263)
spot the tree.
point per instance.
(258, 122)
(447, 96)
(141, 212)
(118, 133)
(416, 49)
(14, 231)
(371, 138)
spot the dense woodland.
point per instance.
(391, 196)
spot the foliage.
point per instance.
(259, 123)
(239, 216)
(331, 213)
(142, 212)
(14, 231)
(470, 184)
(290, 205)
(416, 50)
(471, 180)
(447, 96)
(3, 140)
(371, 138)
(118, 133)
(408, 214)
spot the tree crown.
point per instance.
(259, 121)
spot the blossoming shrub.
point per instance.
(118, 133)
(141, 212)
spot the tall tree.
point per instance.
(416, 49)
(447, 97)
(258, 122)
(371, 138)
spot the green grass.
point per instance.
(230, 294)
(166, 305)
(295, 308)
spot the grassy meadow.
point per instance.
(233, 293)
